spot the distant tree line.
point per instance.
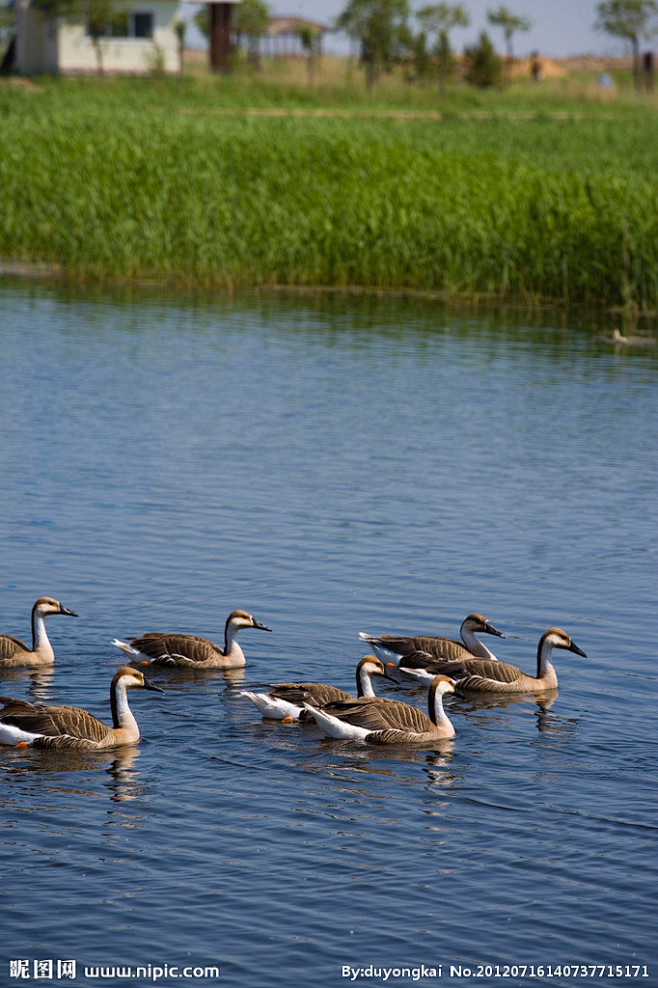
(390, 32)
(382, 30)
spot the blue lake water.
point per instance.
(330, 465)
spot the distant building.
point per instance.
(143, 38)
(282, 37)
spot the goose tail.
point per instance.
(335, 728)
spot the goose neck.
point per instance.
(231, 647)
(544, 652)
(475, 646)
(122, 715)
(40, 640)
(438, 716)
(364, 683)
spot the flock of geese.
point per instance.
(445, 664)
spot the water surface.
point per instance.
(330, 466)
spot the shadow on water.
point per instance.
(184, 676)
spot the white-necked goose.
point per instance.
(484, 676)
(392, 647)
(14, 652)
(285, 701)
(25, 723)
(383, 721)
(188, 650)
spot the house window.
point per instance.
(124, 24)
(142, 25)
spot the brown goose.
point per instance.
(484, 676)
(188, 650)
(24, 723)
(285, 701)
(392, 647)
(13, 652)
(382, 721)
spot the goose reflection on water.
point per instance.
(40, 681)
(123, 784)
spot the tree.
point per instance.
(250, 20)
(378, 26)
(103, 19)
(484, 67)
(180, 27)
(629, 19)
(439, 19)
(421, 56)
(311, 42)
(503, 17)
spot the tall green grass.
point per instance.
(148, 181)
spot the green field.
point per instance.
(523, 195)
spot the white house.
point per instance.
(142, 39)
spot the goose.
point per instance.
(389, 647)
(618, 339)
(23, 723)
(285, 701)
(13, 652)
(188, 650)
(382, 721)
(485, 676)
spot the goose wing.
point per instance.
(317, 694)
(35, 718)
(432, 645)
(480, 674)
(9, 646)
(380, 713)
(72, 722)
(52, 722)
(167, 648)
(392, 737)
(448, 649)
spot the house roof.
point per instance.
(290, 25)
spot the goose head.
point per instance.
(240, 619)
(476, 623)
(372, 666)
(556, 638)
(133, 679)
(48, 605)
(441, 684)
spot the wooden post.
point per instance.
(220, 36)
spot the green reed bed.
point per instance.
(518, 209)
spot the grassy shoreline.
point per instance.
(246, 183)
